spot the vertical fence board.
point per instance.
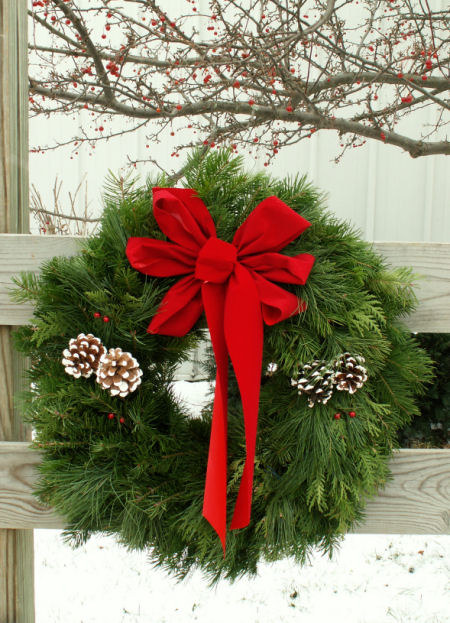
(16, 546)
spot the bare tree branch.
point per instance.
(263, 72)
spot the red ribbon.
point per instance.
(231, 282)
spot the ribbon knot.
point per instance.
(216, 261)
(233, 284)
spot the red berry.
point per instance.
(111, 416)
(122, 420)
(179, 106)
(107, 27)
(289, 108)
(105, 318)
(337, 416)
(352, 414)
(236, 84)
(251, 102)
(428, 64)
(400, 75)
(97, 314)
(382, 136)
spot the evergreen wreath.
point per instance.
(134, 466)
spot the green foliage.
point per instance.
(143, 480)
(432, 429)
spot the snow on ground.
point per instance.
(372, 579)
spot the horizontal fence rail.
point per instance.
(430, 260)
(416, 501)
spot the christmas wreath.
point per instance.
(315, 373)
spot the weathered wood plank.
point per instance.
(417, 501)
(16, 546)
(431, 260)
(14, 213)
(19, 508)
(26, 253)
(16, 576)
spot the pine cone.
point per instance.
(315, 380)
(272, 367)
(83, 355)
(119, 372)
(350, 375)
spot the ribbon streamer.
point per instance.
(233, 284)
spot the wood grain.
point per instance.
(19, 253)
(19, 508)
(16, 546)
(16, 576)
(430, 260)
(416, 502)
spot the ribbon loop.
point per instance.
(231, 282)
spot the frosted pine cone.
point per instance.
(316, 381)
(350, 374)
(272, 367)
(119, 373)
(83, 355)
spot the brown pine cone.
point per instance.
(118, 372)
(350, 374)
(83, 355)
(316, 381)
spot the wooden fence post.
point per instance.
(16, 546)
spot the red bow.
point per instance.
(231, 283)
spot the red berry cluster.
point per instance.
(337, 416)
(113, 68)
(98, 315)
(112, 416)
